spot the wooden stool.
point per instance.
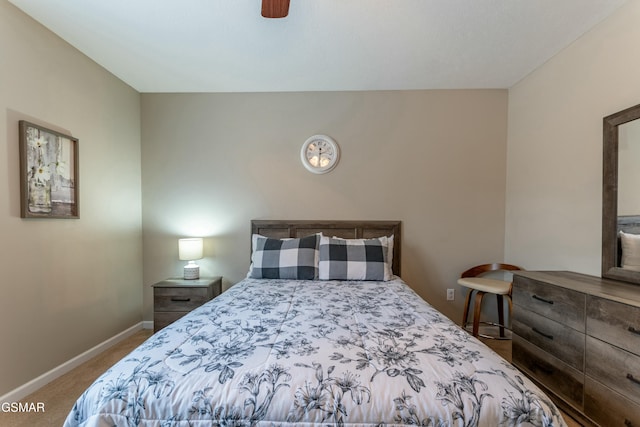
(483, 285)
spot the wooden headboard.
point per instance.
(346, 229)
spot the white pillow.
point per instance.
(630, 251)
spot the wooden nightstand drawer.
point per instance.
(614, 322)
(560, 304)
(561, 341)
(173, 298)
(162, 319)
(180, 299)
(616, 368)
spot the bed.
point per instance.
(315, 352)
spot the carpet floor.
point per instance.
(60, 394)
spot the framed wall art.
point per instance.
(48, 173)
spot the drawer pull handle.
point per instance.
(542, 299)
(632, 379)
(633, 330)
(542, 333)
(180, 299)
(628, 423)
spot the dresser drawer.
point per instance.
(614, 322)
(555, 338)
(565, 381)
(563, 305)
(180, 299)
(608, 408)
(616, 368)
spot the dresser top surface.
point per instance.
(591, 285)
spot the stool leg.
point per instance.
(465, 314)
(476, 313)
(500, 314)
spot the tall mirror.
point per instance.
(621, 196)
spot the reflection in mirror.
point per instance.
(629, 169)
(620, 196)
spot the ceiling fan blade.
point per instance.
(275, 8)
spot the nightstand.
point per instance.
(173, 298)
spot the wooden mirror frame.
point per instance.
(610, 268)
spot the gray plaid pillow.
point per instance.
(354, 259)
(295, 259)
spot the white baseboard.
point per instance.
(44, 379)
(147, 324)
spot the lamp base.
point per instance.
(191, 271)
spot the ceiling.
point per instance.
(323, 45)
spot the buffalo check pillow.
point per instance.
(354, 259)
(295, 259)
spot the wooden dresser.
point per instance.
(173, 298)
(578, 336)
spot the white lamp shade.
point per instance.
(190, 249)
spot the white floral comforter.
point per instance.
(284, 353)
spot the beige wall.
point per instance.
(69, 284)
(433, 159)
(554, 176)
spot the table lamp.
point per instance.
(190, 250)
